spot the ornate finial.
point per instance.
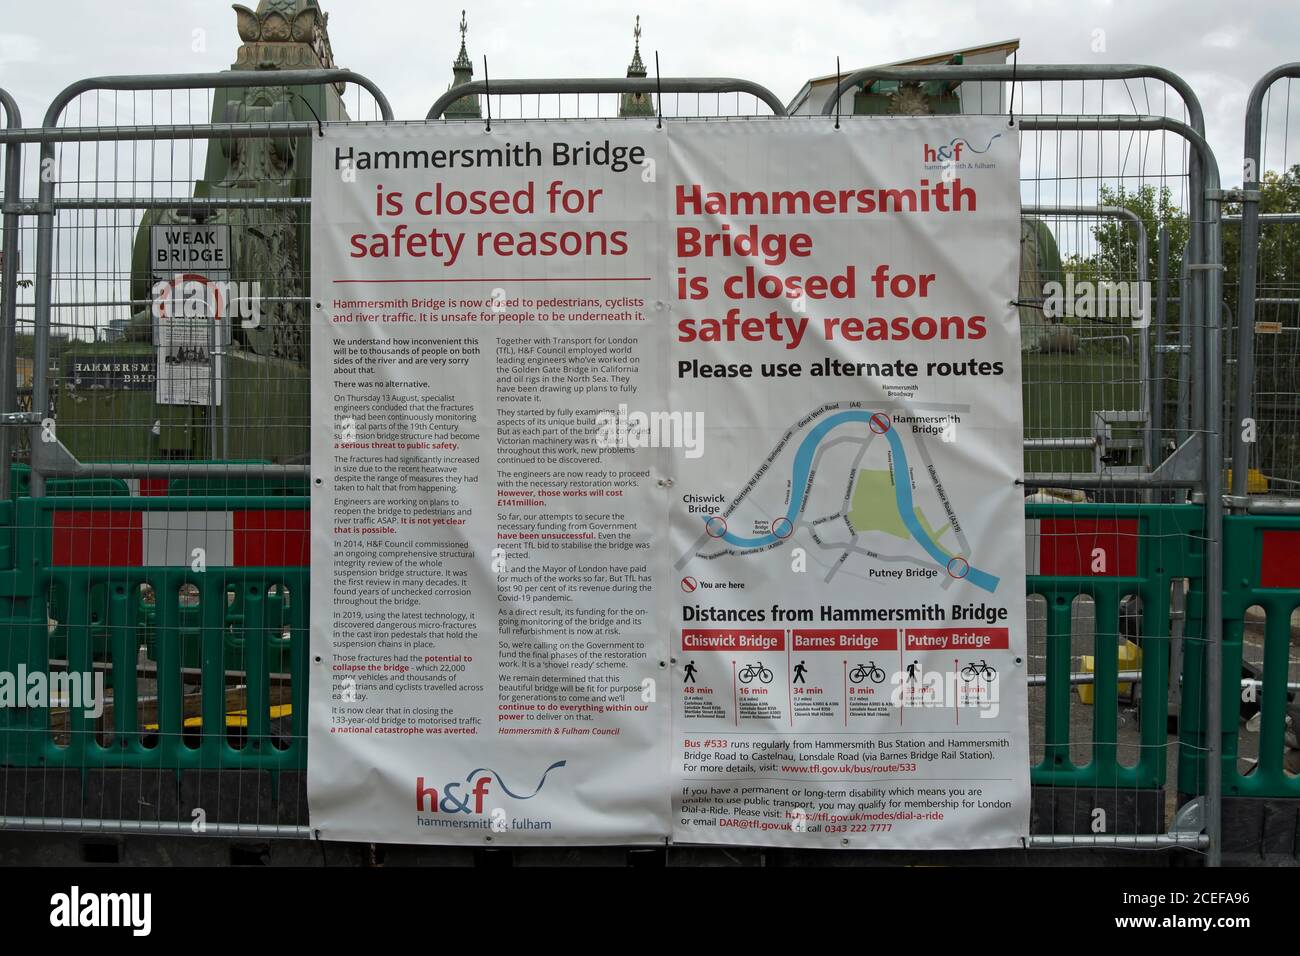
(462, 71)
(636, 67)
(462, 60)
(636, 104)
(283, 34)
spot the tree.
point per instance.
(1116, 255)
(1278, 259)
(1276, 386)
(1277, 373)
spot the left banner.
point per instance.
(488, 657)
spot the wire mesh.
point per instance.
(205, 671)
(175, 602)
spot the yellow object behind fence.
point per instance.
(235, 718)
(1130, 659)
(1256, 483)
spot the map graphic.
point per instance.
(842, 475)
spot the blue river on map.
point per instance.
(803, 460)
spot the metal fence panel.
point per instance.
(1266, 449)
(140, 551)
(207, 669)
(1260, 758)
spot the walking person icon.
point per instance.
(690, 672)
(799, 672)
(911, 672)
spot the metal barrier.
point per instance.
(94, 563)
(205, 664)
(1264, 583)
(576, 87)
(51, 457)
(1282, 295)
(83, 581)
(1099, 442)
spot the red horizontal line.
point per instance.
(567, 279)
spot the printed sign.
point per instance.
(126, 373)
(202, 248)
(192, 311)
(664, 484)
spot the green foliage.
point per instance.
(1117, 240)
(1279, 252)
(1279, 245)
(1115, 258)
(1277, 373)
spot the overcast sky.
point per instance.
(407, 46)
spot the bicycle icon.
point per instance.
(751, 671)
(868, 671)
(974, 671)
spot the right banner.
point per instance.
(847, 534)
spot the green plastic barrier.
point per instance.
(21, 484)
(1169, 546)
(189, 621)
(255, 621)
(1261, 561)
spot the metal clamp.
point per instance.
(24, 419)
(1232, 195)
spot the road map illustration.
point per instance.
(864, 505)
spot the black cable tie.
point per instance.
(487, 94)
(659, 94)
(1011, 105)
(311, 109)
(838, 96)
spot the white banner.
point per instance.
(664, 484)
(849, 548)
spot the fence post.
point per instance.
(1158, 360)
(9, 291)
(1213, 462)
